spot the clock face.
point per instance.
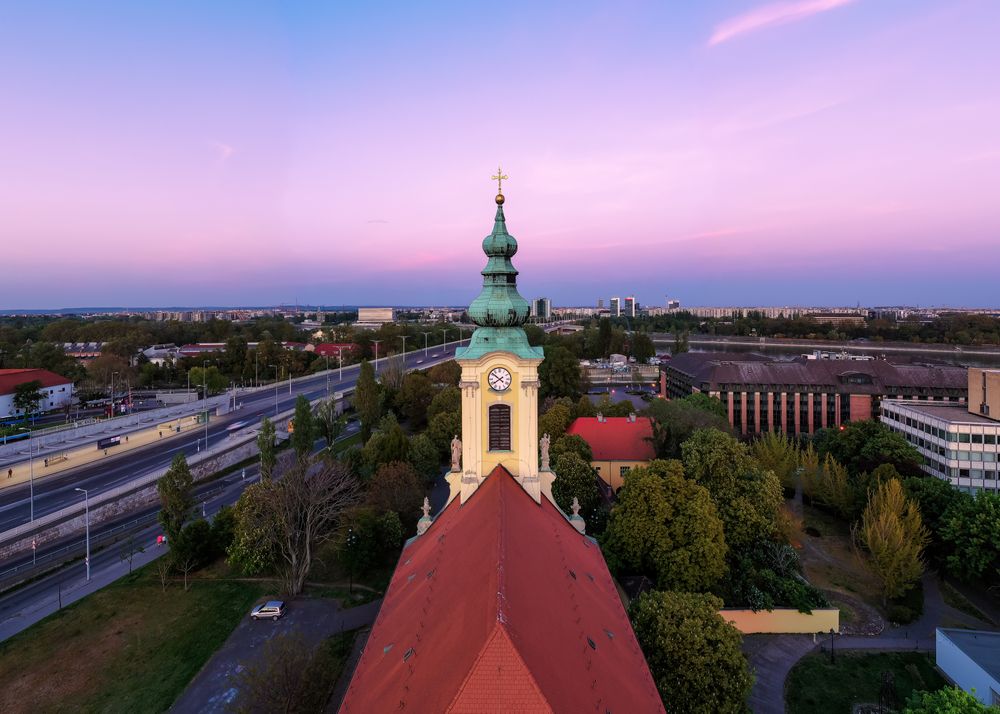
(499, 379)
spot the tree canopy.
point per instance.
(666, 527)
(559, 373)
(694, 655)
(176, 501)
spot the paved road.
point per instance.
(56, 492)
(214, 689)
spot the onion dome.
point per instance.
(499, 304)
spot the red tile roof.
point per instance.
(331, 349)
(10, 378)
(502, 606)
(616, 438)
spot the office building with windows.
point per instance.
(628, 309)
(541, 308)
(802, 396)
(616, 307)
(959, 442)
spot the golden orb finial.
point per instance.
(499, 199)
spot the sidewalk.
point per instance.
(51, 463)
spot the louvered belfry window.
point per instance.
(499, 427)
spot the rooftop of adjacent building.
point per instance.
(11, 378)
(981, 646)
(616, 438)
(951, 413)
(874, 376)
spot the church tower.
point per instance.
(499, 377)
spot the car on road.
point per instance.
(270, 610)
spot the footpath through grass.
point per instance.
(130, 647)
(815, 686)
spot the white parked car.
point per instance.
(270, 610)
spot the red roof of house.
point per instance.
(616, 438)
(10, 378)
(330, 349)
(502, 606)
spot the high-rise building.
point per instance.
(616, 307)
(541, 308)
(600, 303)
(629, 306)
(673, 304)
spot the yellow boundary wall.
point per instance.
(783, 621)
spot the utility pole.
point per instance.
(86, 506)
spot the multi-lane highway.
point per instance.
(57, 492)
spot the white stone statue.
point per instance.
(456, 453)
(425, 522)
(544, 446)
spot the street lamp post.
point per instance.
(256, 373)
(204, 386)
(444, 345)
(113, 393)
(404, 348)
(375, 342)
(275, 389)
(327, 358)
(340, 356)
(31, 478)
(86, 506)
(425, 334)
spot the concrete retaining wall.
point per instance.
(783, 621)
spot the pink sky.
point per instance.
(819, 151)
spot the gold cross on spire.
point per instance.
(499, 178)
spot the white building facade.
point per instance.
(971, 659)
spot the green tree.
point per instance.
(559, 373)
(642, 347)
(680, 343)
(666, 527)
(676, 420)
(575, 478)
(894, 535)
(776, 452)
(267, 447)
(388, 444)
(442, 428)
(215, 381)
(972, 533)
(253, 550)
(367, 399)
(572, 444)
(330, 424)
(584, 407)
(304, 435)
(448, 399)
(949, 700)
(863, 446)
(449, 372)
(555, 421)
(934, 497)
(712, 405)
(415, 398)
(176, 501)
(693, 654)
(396, 486)
(27, 397)
(747, 497)
(425, 458)
(604, 338)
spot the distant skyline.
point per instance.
(814, 152)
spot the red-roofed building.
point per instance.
(333, 349)
(618, 443)
(57, 391)
(501, 605)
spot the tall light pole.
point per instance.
(375, 342)
(404, 349)
(256, 372)
(113, 393)
(275, 389)
(340, 356)
(86, 506)
(204, 382)
(444, 345)
(425, 334)
(327, 358)
(31, 478)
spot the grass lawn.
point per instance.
(815, 686)
(128, 648)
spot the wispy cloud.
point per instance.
(765, 16)
(223, 151)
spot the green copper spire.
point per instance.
(499, 310)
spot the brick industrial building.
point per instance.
(800, 396)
